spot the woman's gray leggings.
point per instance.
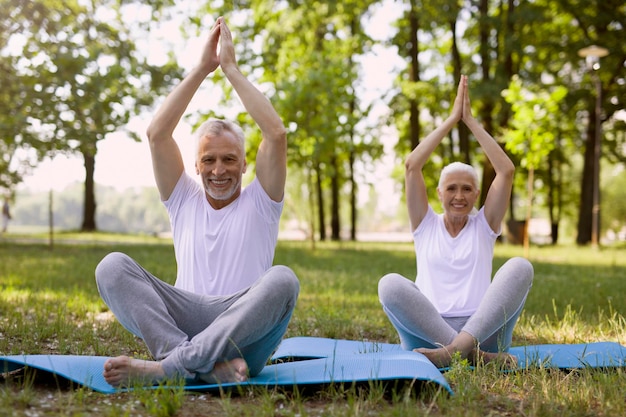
(189, 332)
(419, 324)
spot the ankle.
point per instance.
(465, 344)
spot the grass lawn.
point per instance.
(49, 304)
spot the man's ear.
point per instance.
(195, 165)
(245, 166)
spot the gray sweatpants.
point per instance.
(189, 332)
(419, 324)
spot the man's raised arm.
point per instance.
(271, 162)
(167, 161)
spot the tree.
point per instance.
(560, 29)
(15, 121)
(307, 58)
(534, 40)
(533, 132)
(83, 78)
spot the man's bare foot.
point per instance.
(235, 370)
(123, 370)
(440, 357)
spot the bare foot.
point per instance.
(463, 345)
(235, 370)
(123, 370)
(440, 357)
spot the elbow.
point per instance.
(508, 171)
(152, 133)
(411, 165)
(277, 134)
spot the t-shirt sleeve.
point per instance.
(184, 189)
(482, 221)
(267, 208)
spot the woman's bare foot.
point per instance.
(440, 357)
(463, 344)
(123, 370)
(235, 370)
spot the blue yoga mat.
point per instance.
(302, 361)
(562, 356)
(306, 347)
(401, 366)
(575, 356)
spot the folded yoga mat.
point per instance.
(305, 347)
(562, 356)
(406, 367)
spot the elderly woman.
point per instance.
(454, 307)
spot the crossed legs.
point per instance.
(484, 336)
(216, 339)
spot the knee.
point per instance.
(109, 269)
(524, 269)
(388, 285)
(285, 281)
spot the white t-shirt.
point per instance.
(454, 272)
(219, 252)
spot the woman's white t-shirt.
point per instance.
(219, 252)
(454, 272)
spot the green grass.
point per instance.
(49, 304)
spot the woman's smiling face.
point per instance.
(457, 193)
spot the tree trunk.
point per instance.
(89, 213)
(586, 186)
(464, 143)
(320, 202)
(486, 111)
(353, 193)
(555, 200)
(335, 223)
(414, 121)
(311, 208)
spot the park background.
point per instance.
(358, 83)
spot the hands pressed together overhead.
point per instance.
(462, 108)
(211, 58)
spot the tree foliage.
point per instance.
(78, 78)
(494, 41)
(307, 54)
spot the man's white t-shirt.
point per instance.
(454, 272)
(219, 252)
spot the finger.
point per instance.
(225, 30)
(461, 87)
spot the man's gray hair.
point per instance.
(215, 127)
(458, 167)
